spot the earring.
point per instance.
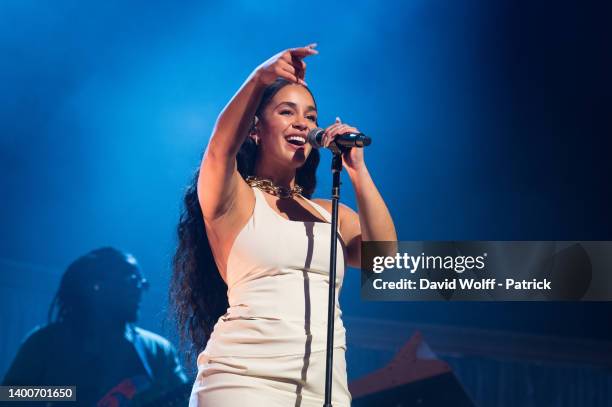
(254, 130)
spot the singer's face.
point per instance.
(285, 124)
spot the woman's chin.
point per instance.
(299, 158)
(294, 157)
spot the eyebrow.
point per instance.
(309, 108)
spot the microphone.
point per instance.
(346, 141)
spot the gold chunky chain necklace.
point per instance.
(271, 188)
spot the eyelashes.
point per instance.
(312, 118)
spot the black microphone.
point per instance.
(347, 140)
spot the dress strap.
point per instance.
(259, 201)
(321, 210)
(262, 210)
(257, 193)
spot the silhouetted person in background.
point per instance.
(91, 341)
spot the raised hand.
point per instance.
(288, 64)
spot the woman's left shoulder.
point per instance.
(327, 205)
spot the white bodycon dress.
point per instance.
(269, 348)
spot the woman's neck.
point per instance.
(282, 177)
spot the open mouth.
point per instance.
(296, 140)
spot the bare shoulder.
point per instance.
(327, 205)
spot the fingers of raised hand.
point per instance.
(286, 70)
(299, 65)
(303, 52)
(288, 64)
(290, 68)
(300, 68)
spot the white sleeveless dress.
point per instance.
(269, 348)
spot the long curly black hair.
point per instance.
(198, 295)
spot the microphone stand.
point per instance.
(331, 305)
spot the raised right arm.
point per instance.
(219, 182)
(219, 179)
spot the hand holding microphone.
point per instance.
(338, 136)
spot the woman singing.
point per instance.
(253, 254)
